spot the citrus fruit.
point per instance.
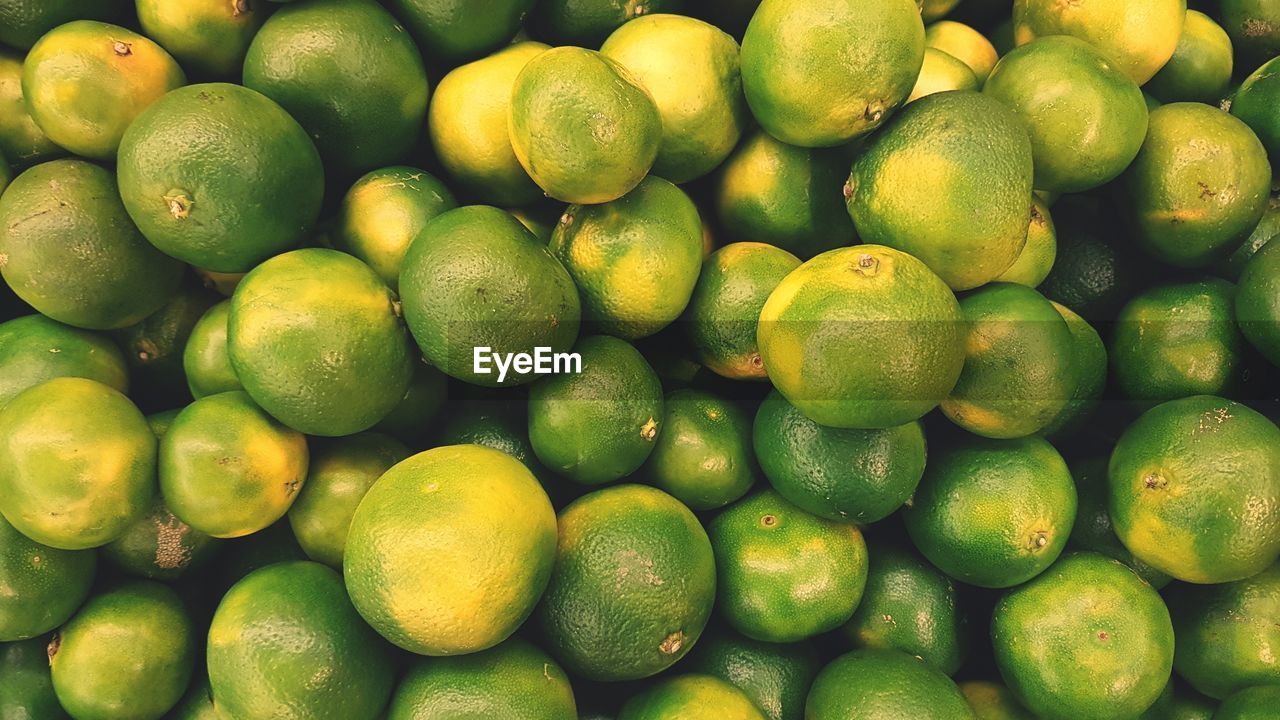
(34, 349)
(77, 463)
(909, 605)
(691, 697)
(22, 141)
(316, 59)
(1258, 302)
(862, 337)
(412, 418)
(1225, 633)
(1093, 529)
(601, 424)
(724, 311)
(1086, 118)
(941, 73)
(153, 347)
(1180, 703)
(933, 9)
(26, 690)
(771, 192)
(769, 587)
(589, 22)
(691, 70)
(450, 549)
(1087, 638)
(1255, 703)
(1255, 103)
(453, 31)
(1182, 510)
(799, 81)
(1093, 272)
(514, 679)
(467, 124)
(40, 586)
(159, 546)
(475, 277)
(196, 704)
(582, 126)
(1018, 373)
(22, 22)
(227, 468)
(635, 260)
(219, 176)
(703, 455)
(71, 252)
(285, 640)
(948, 180)
(1137, 38)
(85, 81)
(338, 477)
(209, 37)
(1199, 186)
(993, 701)
(1036, 260)
(1200, 68)
(317, 340)
(205, 360)
(873, 684)
(384, 212)
(1254, 28)
(965, 44)
(633, 585)
(775, 676)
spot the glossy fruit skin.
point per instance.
(633, 585)
(909, 605)
(454, 32)
(888, 300)
(1183, 511)
(159, 546)
(775, 676)
(981, 150)
(153, 348)
(589, 22)
(565, 89)
(206, 362)
(693, 697)
(34, 349)
(26, 690)
(210, 37)
(1198, 187)
(1255, 103)
(993, 701)
(1253, 28)
(1089, 366)
(1255, 703)
(77, 463)
(23, 22)
(488, 532)
(514, 679)
(883, 685)
(1104, 615)
(229, 469)
(193, 177)
(965, 44)
(73, 254)
(1086, 125)
(40, 587)
(1138, 39)
(1200, 69)
(285, 640)
(799, 86)
(1093, 530)
(1225, 633)
(993, 513)
(786, 196)
(599, 425)
(1040, 251)
(852, 475)
(1258, 302)
(703, 455)
(476, 277)
(770, 590)
(942, 73)
(1095, 272)
(326, 357)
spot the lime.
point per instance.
(1093, 529)
(1254, 28)
(965, 44)
(1258, 302)
(993, 701)
(883, 685)
(775, 676)
(40, 587)
(703, 455)
(22, 22)
(942, 73)
(691, 697)
(21, 139)
(210, 37)
(159, 546)
(153, 348)
(1138, 38)
(1255, 103)
(34, 349)
(1200, 68)
(205, 360)
(26, 690)
(453, 31)
(1255, 703)
(589, 22)
(1036, 260)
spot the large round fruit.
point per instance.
(450, 549)
(1257, 103)
(1254, 28)
(703, 455)
(883, 685)
(220, 176)
(1200, 69)
(862, 337)
(40, 587)
(22, 142)
(776, 677)
(1258, 302)
(26, 690)
(455, 31)
(691, 697)
(34, 349)
(208, 36)
(1039, 253)
(1138, 38)
(1255, 703)
(965, 44)
(633, 585)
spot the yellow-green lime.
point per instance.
(775, 676)
(209, 37)
(1258, 302)
(873, 684)
(23, 22)
(206, 361)
(1255, 102)
(1038, 254)
(22, 141)
(691, 697)
(1138, 38)
(1200, 69)
(1093, 529)
(26, 690)
(703, 455)
(588, 22)
(1255, 703)
(40, 587)
(34, 349)
(456, 32)
(965, 44)
(942, 73)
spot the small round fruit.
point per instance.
(210, 37)
(691, 697)
(1256, 104)
(286, 639)
(703, 455)
(582, 126)
(1200, 69)
(153, 348)
(782, 574)
(1138, 38)
(144, 622)
(22, 141)
(159, 546)
(227, 468)
(965, 44)
(1258, 302)
(40, 587)
(513, 680)
(476, 277)
(1094, 272)
(220, 176)
(942, 73)
(72, 253)
(993, 701)
(1039, 253)
(862, 337)
(450, 549)
(1180, 508)
(1086, 119)
(600, 424)
(34, 349)
(589, 22)
(993, 513)
(26, 690)
(633, 585)
(797, 73)
(77, 463)
(851, 475)
(635, 260)
(691, 70)
(775, 677)
(206, 361)
(1199, 186)
(318, 341)
(1255, 703)
(1254, 28)
(456, 32)
(1093, 529)
(883, 684)
(1088, 638)
(1268, 228)
(23, 22)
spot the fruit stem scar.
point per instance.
(122, 48)
(672, 643)
(238, 7)
(768, 520)
(867, 264)
(649, 430)
(1154, 482)
(179, 204)
(55, 643)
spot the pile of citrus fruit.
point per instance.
(639, 359)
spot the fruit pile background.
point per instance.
(930, 359)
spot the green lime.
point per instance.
(775, 676)
(1093, 529)
(1255, 103)
(22, 22)
(993, 701)
(1038, 254)
(21, 139)
(414, 417)
(196, 704)
(872, 684)
(34, 349)
(154, 347)
(1267, 229)
(1178, 702)
(942, 72)
(589, 22)
(210, 37)
(159, 546)
(691, 697)
(453, 31)
(703, 455)
(40, 587)
(1258, 302)
(1255, 703)
(26, 690)
(205, 360)
(1254, 28)
(1089, 368)
(1137, 38)
(965, 44)
(1093, 273)
(1200, 69)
